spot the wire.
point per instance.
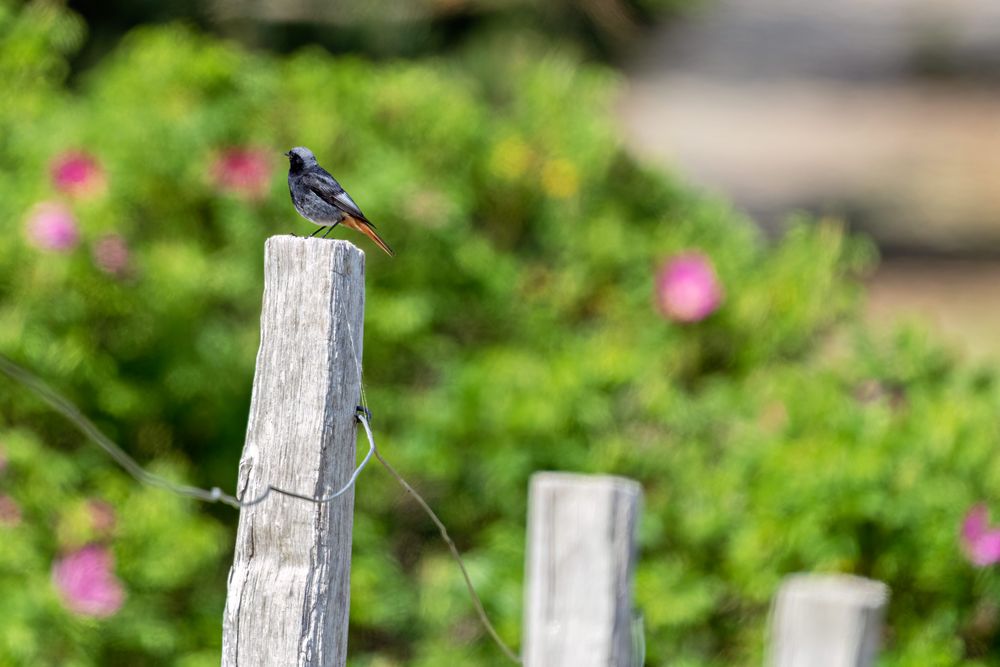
(476, 602)
(480, 611)
(361, 417)
(214, 495)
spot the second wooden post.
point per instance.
(581, 555)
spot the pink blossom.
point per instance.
(102, 516)
(51, 226)
(687, 289)
(77, 174)
(245, 172)
(980, 542)
(10, 512)
(111, 255)
(86, 583)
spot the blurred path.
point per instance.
(884, 111)
(959, 299)
(832, 106)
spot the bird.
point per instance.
(320, 199)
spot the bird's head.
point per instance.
(300, 158)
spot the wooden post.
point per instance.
(827, 621)
(581, 552)
(289, 586)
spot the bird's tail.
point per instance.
(368, 229)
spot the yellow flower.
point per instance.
(510, 158)
(560, 179)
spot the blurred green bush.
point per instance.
(516, 331)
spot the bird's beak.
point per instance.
(288, 153)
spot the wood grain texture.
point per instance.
(581, 554)
(289, 586)
(827, 621)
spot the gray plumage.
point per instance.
(320, 199)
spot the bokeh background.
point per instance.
(637, 237)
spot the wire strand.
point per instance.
(480, 610)
(68, 410)
(476, 602)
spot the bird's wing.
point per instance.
(328, 189)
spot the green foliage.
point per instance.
(516, 331)
(149, 531)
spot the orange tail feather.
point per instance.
(368, 230)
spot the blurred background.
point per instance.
(635, 237)
(883, 113)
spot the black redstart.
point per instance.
(319, 198)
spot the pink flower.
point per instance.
(86, 583)
(102, 516)
(687, 289)
(245, 172)
(111, 255)
(980, 542)
(77, 174)
(51, 226)
(10, 513)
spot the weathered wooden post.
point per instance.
(289, 586)
(827, 621)
(581, 553)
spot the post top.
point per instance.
(289, 253)
(569, 480)
(846, 588)
(292, 239)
